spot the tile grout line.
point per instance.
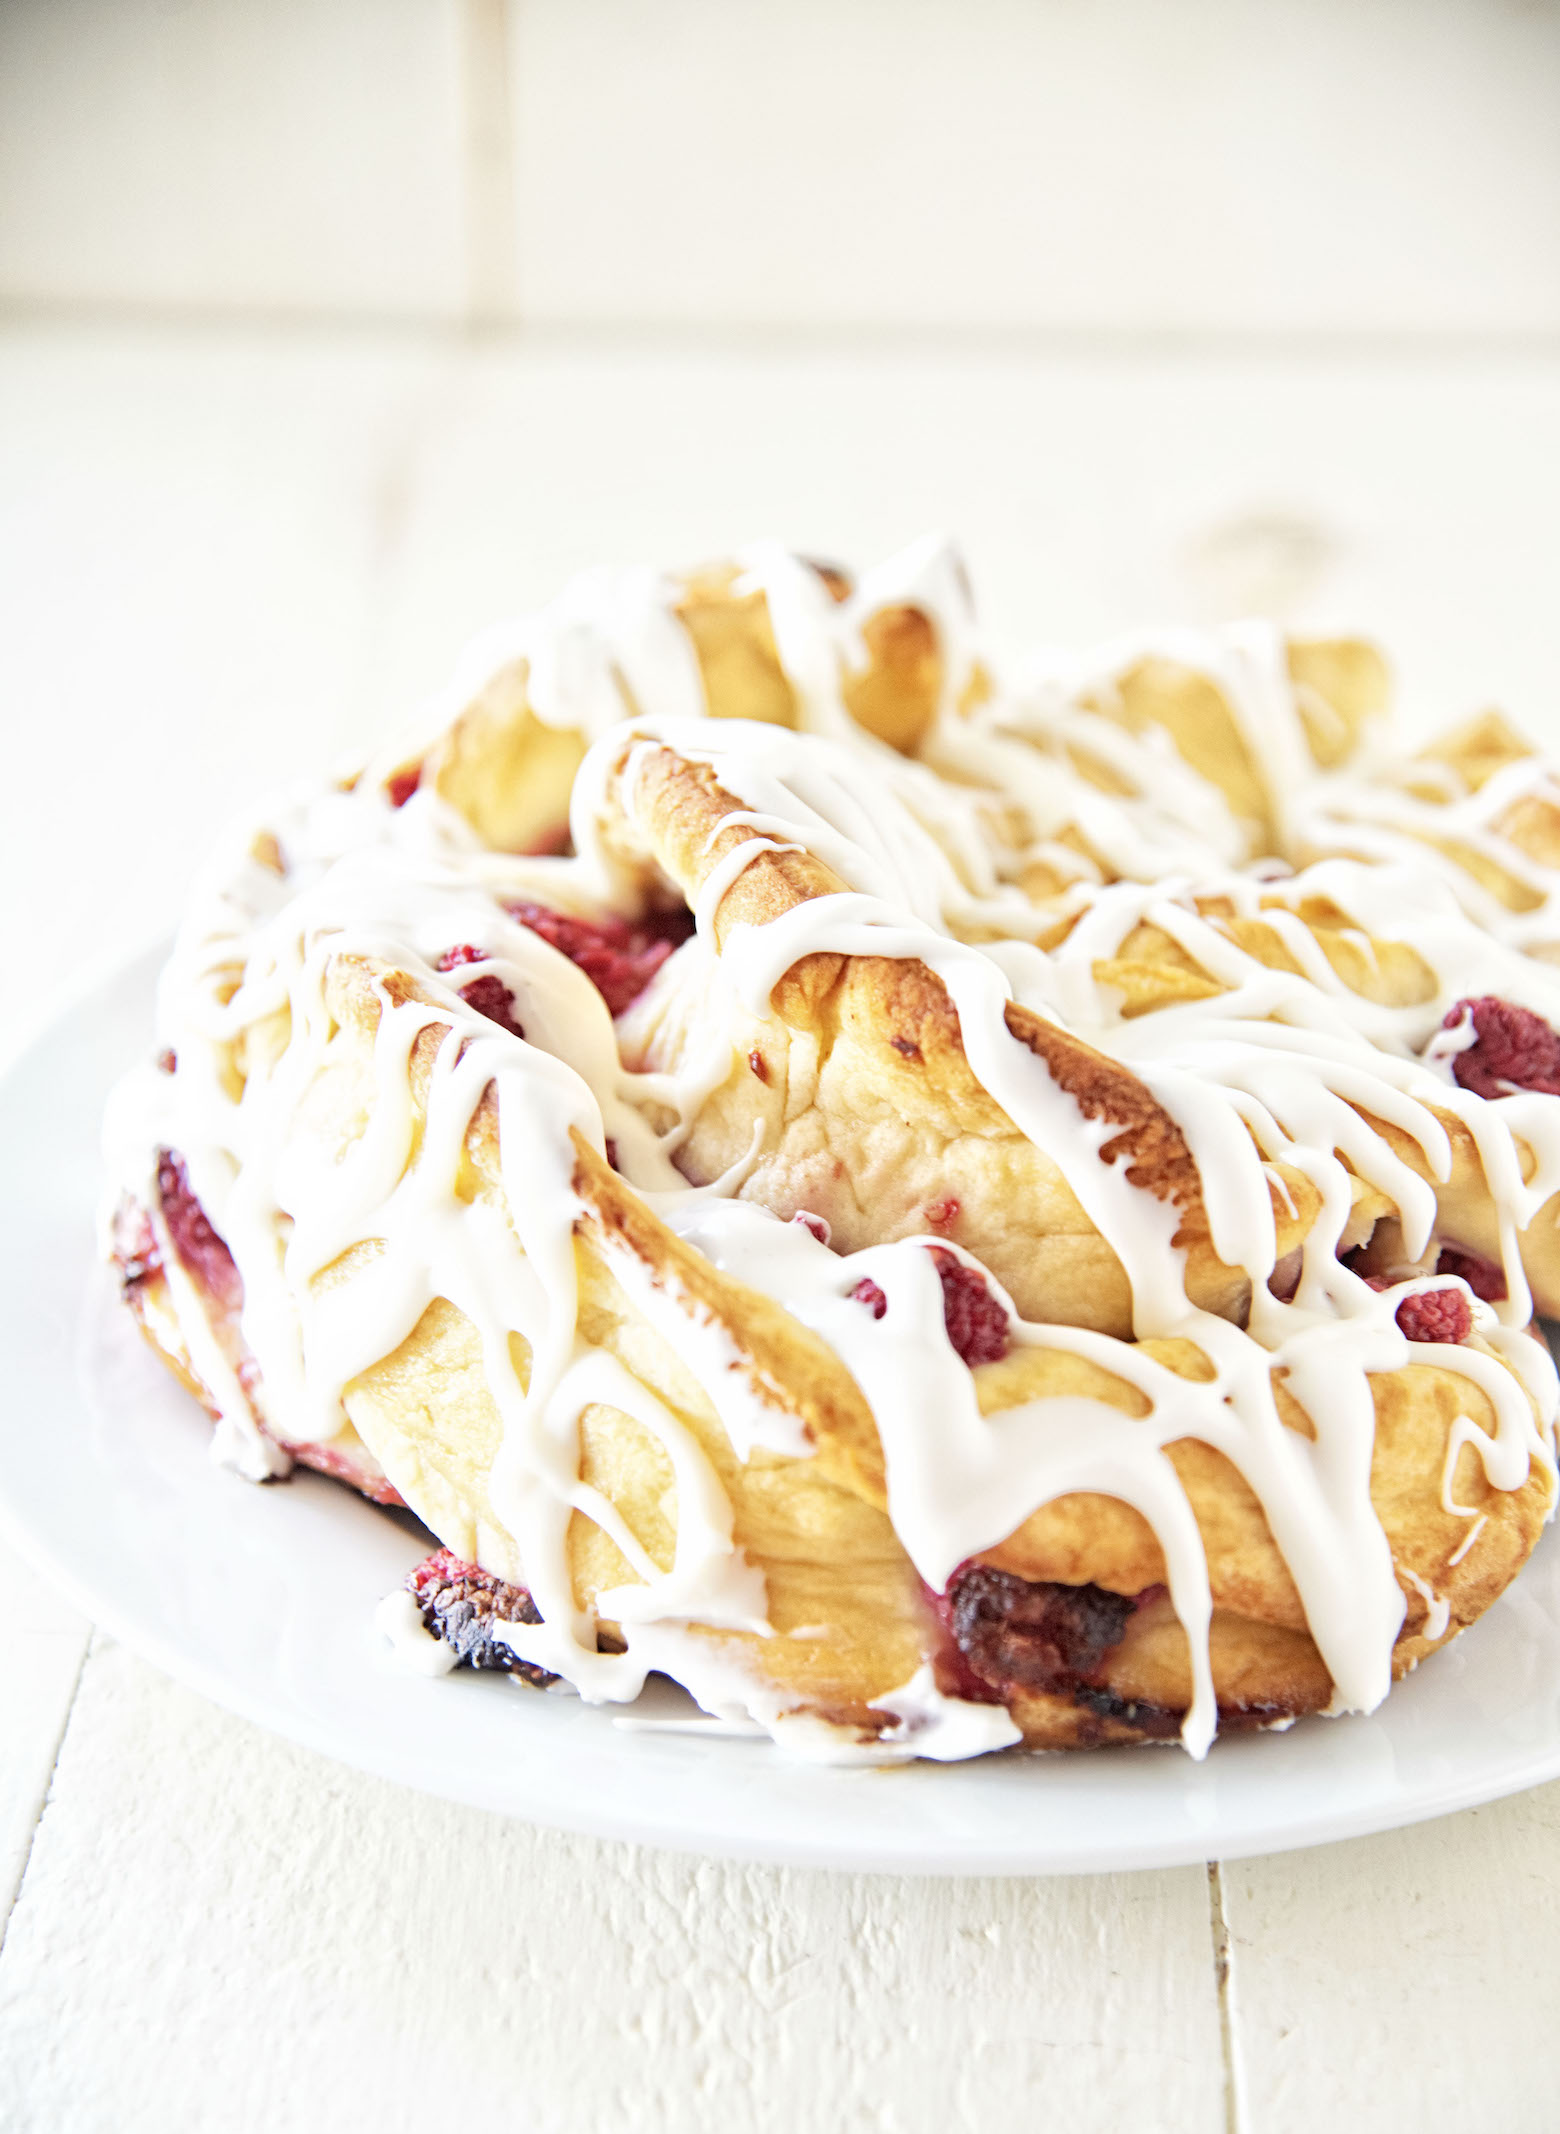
(1235, 2121)
(487, 129)
(22, 312)
(87, 1643)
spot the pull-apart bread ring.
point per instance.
(900, 1266)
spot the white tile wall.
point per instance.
(1269, 166)
(1294, 164)
(214, 154)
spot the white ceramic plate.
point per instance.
(264, 1599)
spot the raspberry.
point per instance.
(1484, 1277)
(816, 1226)
(977, 1324)
(1436, 1315)
(1430, 1314)
(461, 1604)
(204, 1254)
(492, 998)
(488, 995)
(1511, 1045)
(403, 785)
(619, 960)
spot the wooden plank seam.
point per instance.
(41, 1802)
(1235, 2118)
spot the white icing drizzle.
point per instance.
(926, 1722)
(1276, 1069)
(1466, 1546)
(1439, 1607)
(1376, 818)
(398, 1619)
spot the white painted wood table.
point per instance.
(223, 558)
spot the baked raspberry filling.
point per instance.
(1512, 1046)
(1484, 1277)
(203, 1253)
(1008, 1634)
(1017, 1631)
(977, 1324)
(488, 995)
(620, 960)
(403, 785)
(1011, 1634)
(461, 1605)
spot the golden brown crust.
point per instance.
(871, 1113)
(510, 773)
(1101, 1541)
(1342, 684)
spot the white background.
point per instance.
(335, 330)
